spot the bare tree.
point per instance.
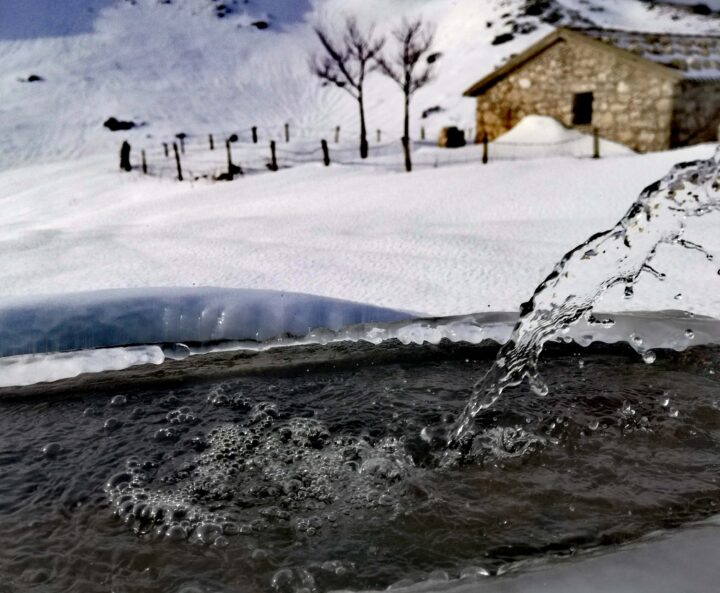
(347, 62)
(414, 40)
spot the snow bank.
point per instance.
(537, 135)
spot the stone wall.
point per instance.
(632, 104)
(697, 113)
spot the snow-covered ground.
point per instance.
(447, 240)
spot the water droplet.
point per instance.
(665, 402)
(679, 296)
(689, 334)
(637, 340)
(649, 357)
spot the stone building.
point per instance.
(647, 91)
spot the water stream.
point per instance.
(616, 256)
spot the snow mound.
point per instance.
(542, 132)
(539, 129)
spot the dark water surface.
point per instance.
(322, 478)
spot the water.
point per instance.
(321, 477)
(311, 477)
(617, 256)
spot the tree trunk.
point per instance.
(363, 130)
(406, 135)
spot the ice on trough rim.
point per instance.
(50, 338)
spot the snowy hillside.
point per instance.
(199, 66)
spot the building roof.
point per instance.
(668, 55)
(696, 56)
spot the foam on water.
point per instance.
(617, 256)
(262, 472)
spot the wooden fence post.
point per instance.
(181, 136)
(485, 149)
(406, 152)
(326, 152)
(422, 133)
(287, 132)
(379, 136)
(165, 148)
(230, 172)
(177, 162)
(125, 156)
(144, 162)
(212, 143)
(273, 157)
(337, 134)
(596, 143)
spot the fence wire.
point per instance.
(203, 158)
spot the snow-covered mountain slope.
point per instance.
(199, 66)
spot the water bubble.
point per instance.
(649, 357)
(637, 340)
(674, 413)
(118, 400)
(689, 334)
(176, 533)
(206, 533)
(438, 575)
(259, 555)
(665, 402)
(594, 425)
(51, 450)
(112, 424)
(470, 572)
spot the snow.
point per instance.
(444, 241)
(682, 561)
(178, 68)
(541, 135)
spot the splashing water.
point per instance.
(614, 257)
